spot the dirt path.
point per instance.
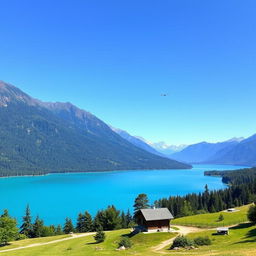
(182, 231)
(73, 236)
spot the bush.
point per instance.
(202, 241)
(252, 213)
(126, 242)
(182, 241)
(100, 236)
(21, 237)
(221, 217)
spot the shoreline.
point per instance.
(106, 171)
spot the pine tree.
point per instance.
(141, 202)
(38, 228)
(68, 226)
(100, 236)
(186, 209)
(129, 218)
(58, 230)
(5, 214)
(80, 226)
(27, 227)
(88, 222)
(123, 220)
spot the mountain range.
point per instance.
(236, 151)
(41, 137)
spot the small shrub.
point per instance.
(126, 242)
(182, 241)
(21, 237)
(202, 241)
(221, 217)
(100, 236)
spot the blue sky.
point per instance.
(115, 59)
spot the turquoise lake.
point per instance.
(56, 196)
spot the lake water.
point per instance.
(56, 196)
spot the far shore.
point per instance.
(72, 172)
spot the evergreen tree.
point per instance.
(252, 213)
(27, 227)
(58, 230)
(129, 218)
(88, 222)
(100, 236)
(68, 226)
(5, 214)
(84, 223)
(112, 218)
(186, 209)
(38, 228)
(141, 202)
(124, 223)
(80, 226)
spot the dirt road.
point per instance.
(73, 236)
(182, 231)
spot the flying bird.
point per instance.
(164, 94)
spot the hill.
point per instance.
(38, 137)
(203, 151)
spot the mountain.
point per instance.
(38, 137)
(244, 153)
(203, 151)
(163, 148)
(136, 141)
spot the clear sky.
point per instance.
(115, 59)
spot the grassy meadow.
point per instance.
(209, 220)
(142, 244)
(240, 242)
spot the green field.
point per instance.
(211, 219)
(26, 242)
(241, 241)
(142, 244)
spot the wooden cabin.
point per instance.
(154, 220)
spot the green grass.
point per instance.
(211, 219)
(26, 242)
(241, 241)
(142, 244)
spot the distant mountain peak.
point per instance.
(9, 93)
(236, 139)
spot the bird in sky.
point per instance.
(164, 94)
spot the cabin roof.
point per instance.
(222, 229)
(156, 214)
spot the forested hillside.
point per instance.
(37, 138)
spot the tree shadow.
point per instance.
(93, 243)
(131, 234)
(3, 245)
(242, 226)
(251, 234)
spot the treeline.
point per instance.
(241, 192)
(108, 219)
(236, 177)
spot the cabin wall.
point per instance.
(158, 225)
